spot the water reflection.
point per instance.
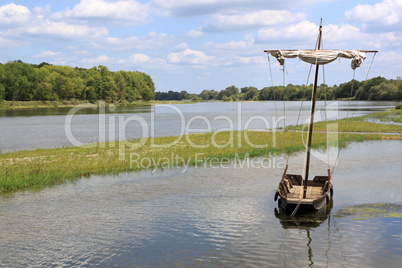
(306, 223)
(205, 217)
(307, 220)
(94, 109)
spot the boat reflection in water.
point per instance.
(305, 221)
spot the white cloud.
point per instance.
(189, 56)
(225, 22)
(139, 58)
(336, 33)
(14, 15)
(252, 60)
(195, 33)
(64, 30)
(47, 54)
(246, 43)
(123, 11)
(8, 43)
(304, 30)
(102, 59)
(203, 7)
(180, 47)
(387, 12)
(151, 41)
(23, 24)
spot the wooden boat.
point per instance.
(294, 191)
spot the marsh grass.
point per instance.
(45, 167)
(361, 124)
(366, 211)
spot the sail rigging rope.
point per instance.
(347, 116)
(346, 123)
(273, 93)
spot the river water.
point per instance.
(50, 127)
(210, 216)
(207, 216)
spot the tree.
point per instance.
(383, 91)
(249, 92)
(347, 90)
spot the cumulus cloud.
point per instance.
(189, 56)
(304, 30)
(387, 12)
(14, 15)
(122, 11)
(64, 30)
(100, 60)
(195, 33)
(225, 22)
(23, 23)
(246, 43)
(47, 54)
(183, 8)
(139, 58)
(151, 41)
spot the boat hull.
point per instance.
(290, 193)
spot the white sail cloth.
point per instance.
(320, 57)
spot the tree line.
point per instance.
(21, 81)
(378, 88)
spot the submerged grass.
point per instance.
(362, 124)
(45, 167)
(365, 211)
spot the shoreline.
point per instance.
(41, 168)
(20, 105)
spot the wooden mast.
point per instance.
(310, 128)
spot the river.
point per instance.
(209, 216)
(29, 129)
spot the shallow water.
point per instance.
(50, 127)
(207, 216)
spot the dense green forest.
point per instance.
(21, 81)
(378, 88)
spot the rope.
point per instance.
(284, 108)
(346, 123)
(372, 60)
(326, 113)
(273, 93)
(347, 116)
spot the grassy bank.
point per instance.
(44, 167)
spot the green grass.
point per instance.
(45, 167)
(366, 211)
(362, 123)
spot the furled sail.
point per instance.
(320, 57)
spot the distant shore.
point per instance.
(9, 105)
(16, 105)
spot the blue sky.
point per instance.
(202, 44)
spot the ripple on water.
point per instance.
(207, 217)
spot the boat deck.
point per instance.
(313, 192)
